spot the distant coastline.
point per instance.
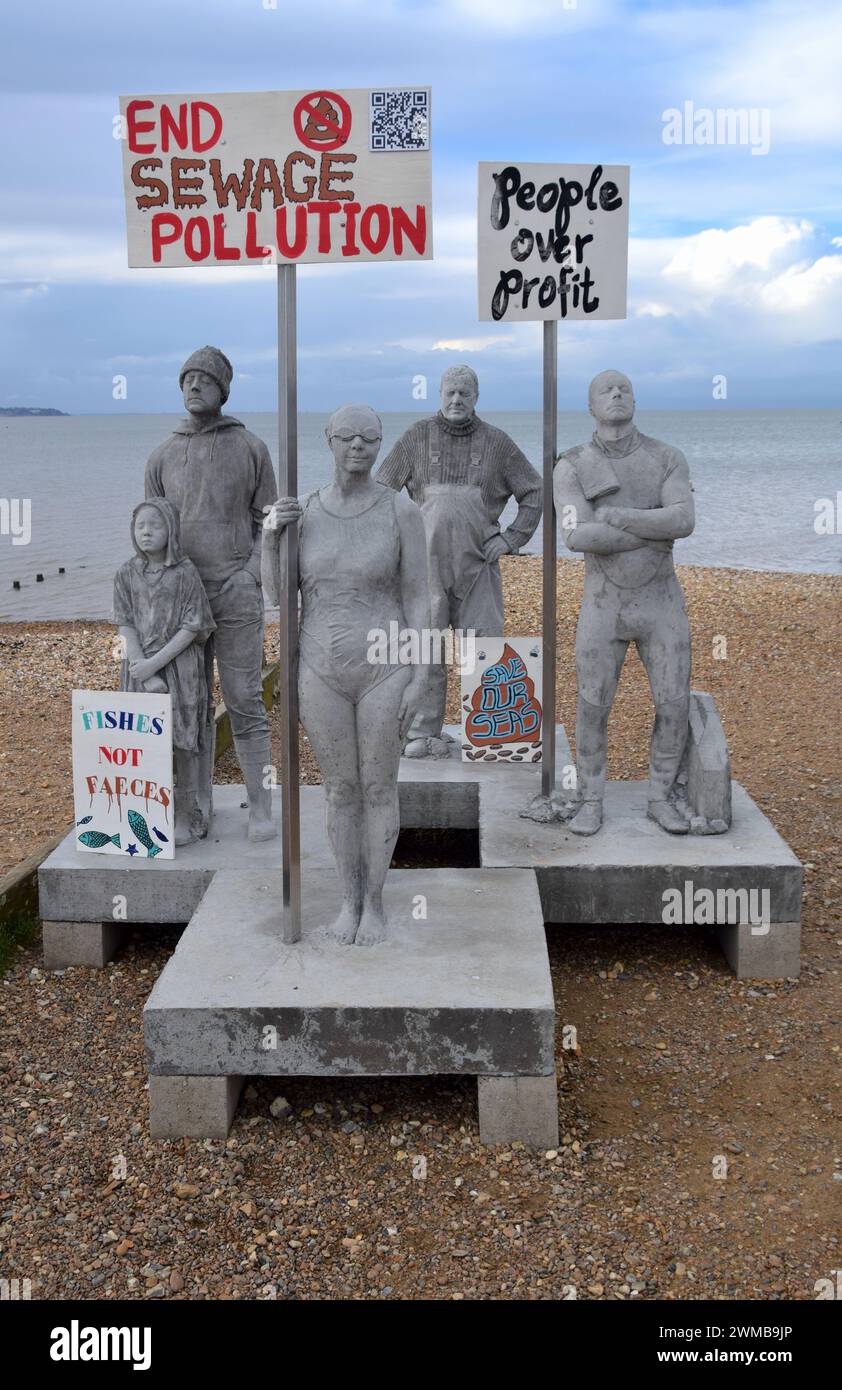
(30, 410)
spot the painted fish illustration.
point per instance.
(95, 839)
(160, 834)
(85, 820)
(140, 830)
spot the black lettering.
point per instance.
(505, 185)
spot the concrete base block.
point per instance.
(773, 955)
(192, 1107)
(523, 1108)
(461, 985)
(80, 943)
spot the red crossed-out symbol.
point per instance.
(322, 120)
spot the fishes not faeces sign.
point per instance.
(257, 178)
(123, 773)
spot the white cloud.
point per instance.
(774, 54)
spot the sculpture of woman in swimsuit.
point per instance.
(362, 566)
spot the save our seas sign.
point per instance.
(256, 178)
(123, 773)
(552, 241)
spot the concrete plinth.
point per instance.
(192, 1107)
(770, 952)
(518, 1107)
(80, 943)
(462, 986)
(622, 874)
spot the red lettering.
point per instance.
(178, 129)
(197, 107)
(134, 127)
(290, 252)
(220, 250)
(350, 247)
(254, 250)
(161, 220)
(202, 251)
(323, 211)
(416, 232)
(373, 243)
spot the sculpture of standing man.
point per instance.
(623, 499)
(220, 478)
(462, 472)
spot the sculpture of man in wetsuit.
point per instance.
(220, 478)
(623, 499)
(462, 472)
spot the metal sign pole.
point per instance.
(550, 411)
(288, 604)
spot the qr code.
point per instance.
(400, 119)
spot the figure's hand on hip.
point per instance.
(494, 547)
(281, 513)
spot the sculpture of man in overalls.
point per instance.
(623, 499)
(461, 472)
(220, 478)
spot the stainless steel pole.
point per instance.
(550, 411)
(288, 603)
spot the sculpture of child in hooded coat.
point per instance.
(165, 619)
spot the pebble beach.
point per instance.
(317, 1193)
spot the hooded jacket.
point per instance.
(220, 478)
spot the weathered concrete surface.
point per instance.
(465, 989)
(521, 1108)
(82, 887)
(621, 874)
(192, 1107)
(754, 954)
(80, 943)
(444, 792)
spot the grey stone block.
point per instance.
(622, 873)
(80, 943)
(192, 1107)
(444, 792)
(707, 763)
(753, 954)
(464, 988)
(521, 1108)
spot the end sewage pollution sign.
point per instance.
(552, 241)
(267, 178)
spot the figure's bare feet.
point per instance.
(373, 926)
(344, 929)
(416, 748)
(587, 819)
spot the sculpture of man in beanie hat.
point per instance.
(461, 472)
(220, 478)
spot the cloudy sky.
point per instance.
(735, 263)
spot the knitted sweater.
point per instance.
(505, 472)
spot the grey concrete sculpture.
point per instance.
(165, 620)
(220, 478)
(462, 472)
(623, 499)
(362, 567)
